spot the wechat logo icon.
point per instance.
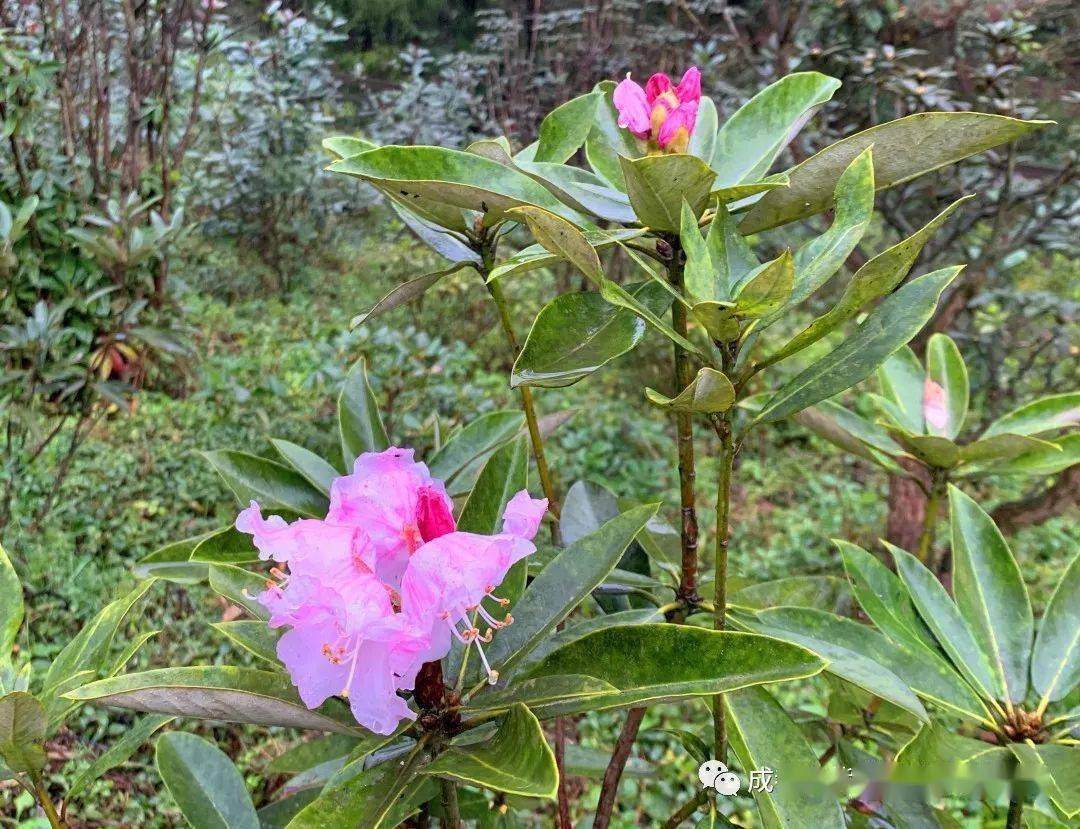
(715, 775)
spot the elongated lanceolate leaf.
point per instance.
(1058, 411)
(1055, 659)
(945, 368)
(359, 422)
(659, 184)
(204, 783)
(274, 486)
(319, 472)
(406, 292)
(566, 127)
(11, 605)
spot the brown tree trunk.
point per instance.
(907, 509)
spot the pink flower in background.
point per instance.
(934, 405)
(663, 113)
(352, 633)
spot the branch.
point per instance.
(610, 787)
(1042, 506)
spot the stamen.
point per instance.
(487, 617)
(492, 675)
(352, 671)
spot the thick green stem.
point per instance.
(527, 406)
(720, 573)
(47, 806)
(926, 538)
(684, 427)
(451, 811)
(1015, 818)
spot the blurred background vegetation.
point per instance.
(178, 274)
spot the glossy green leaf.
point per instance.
(503, 475)
(848, 647)
(851, 433)
(173, 562)
(1038, 459)
(459, 460)
(895, 321)
(537, 256)
(659, 662)
(578, 630)
(359, 422)
(517, 760)
(936, 753)
(254, 636)
(902, 380)
(617, 295)
(451, 177)
(204, 783)
(217, 693)
(22, 733)
(319, 472)
(568, 578)
(934, 451)
(1000, 448)
(239, 586)
(659, 184)
(576, 334)
(379, 797)
(827, 592)
(566, 127)
(732, 258)
(853, 203)
(990, 592)
(1056, 768)
(310, 753)
(703, 138)
(607, 141)
(345, 146)
(227, 546)
(762, 734)
(702, 280)
(273, 485)
(561, 238)
(766, 289)
(450, 245)
(582, 190)
(951, 630)
(903, 149)
(873, 280)
(11, 605)
(119, 752)
(740, 192)
(945, 366)
(718, 319)
(277, 813)
(709, 392)
(406, 292)
(882, 596)
(1058, 411)
(751, 139)
(569, 692)
(1055, 659)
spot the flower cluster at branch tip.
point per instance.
(662, 113)
(383, 583)
(934, 407)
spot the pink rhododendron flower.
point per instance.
(934, 405)
(389, 526)
(661, 113)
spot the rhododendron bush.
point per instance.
(446, 617)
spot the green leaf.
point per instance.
(710, 391)
(517, 760)
(1055, 659)
(239, 586)
(902, 382)
(930, 449)
(949, 628)
(345, 146)
(582, 190)
(766, 289)
(561, 238)
(566, 127)
(941, 138)
(22, 733)
(583, 628)
(450, 245)
(11, 605)
(882, 596)
(254, 636)
(567, 691)
(568, 578)
(798, 591)
(359, 422)
(990, 592)
(173, 562)
(703, 138)
(204, 783)
(660, 662)
(451, 177)
(119, 752)
(851, 433)
(537, 256)
(853, 204)
(849, 648)
(895, 321)
(935, 753)
(1043, 459)
(310, 753)
(458, 461)
(607, 141)
(1000, 448)
(741, 192)
(406, 292)
(751, 139)
(217, 693)
(1058, 411)
(226, 546)
(274, 486)
(617, 295)
(945, 366)
(576, 334)
(873, 280)
(591, 762)
(762, 734)
(1056, 768)
(659, 184)
(377, 798)
(503, 475)
(318, 471)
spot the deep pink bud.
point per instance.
(433, 516)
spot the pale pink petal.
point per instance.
(689, 88)
(629, 100)
(935, 409)
(523, 515)
(678, 126)
(273, 536)
(372, 691)
(656, 86)
(313, 673)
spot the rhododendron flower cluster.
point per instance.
(662, 113)
(383, 583)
